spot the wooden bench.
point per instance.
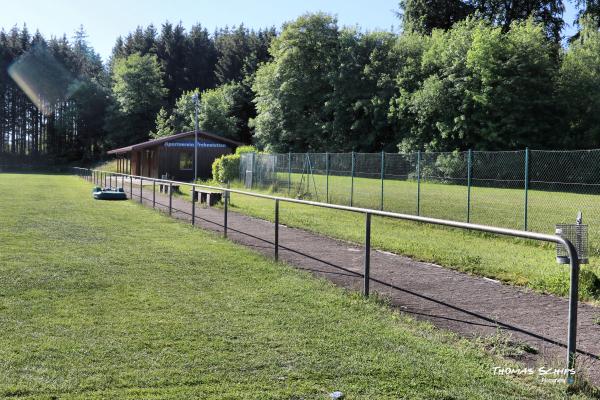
(208, 197)
(164, 188)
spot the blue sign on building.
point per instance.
(201, 144)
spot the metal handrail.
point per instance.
(573, 256)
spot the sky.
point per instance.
(105, 20)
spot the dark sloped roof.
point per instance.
(155, 142)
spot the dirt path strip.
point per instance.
(468, 305)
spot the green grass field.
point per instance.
(114, 300)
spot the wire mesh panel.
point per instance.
(340, 180)
(481, 187)
(561, 183)
(443, 185)
(400, 185)
(498, 188)
(367, 180)
(246, 169)
(577, 234)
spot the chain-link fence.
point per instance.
(529, 189)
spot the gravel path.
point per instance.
(468, 305)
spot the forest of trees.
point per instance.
(486, 75)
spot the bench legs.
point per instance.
(210, 199)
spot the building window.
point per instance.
(185, 161)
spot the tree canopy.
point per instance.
(486, 75)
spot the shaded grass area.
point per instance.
(113, 300)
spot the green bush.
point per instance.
(245, 149)
(226, 168)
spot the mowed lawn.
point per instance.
(114, 300)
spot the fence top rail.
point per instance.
(435, 221)
(531, 150)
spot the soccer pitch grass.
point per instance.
(114, 300)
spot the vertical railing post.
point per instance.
(289, 172)
(526, 185)
(367, 269)
(141, 191)
(153, 193)
(131, 186)
(193, 205)
(418, 182)
(104, 173)
(352, 180)
(469, 173)
(573, 300)
(327, 177)
(276, 229)
(170, 198)
(382, 177)
(225, 206)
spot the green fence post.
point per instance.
(526, 183)
(418, 182)
(327, 177)
(469, 168)
(352, 182)
(382, 177)
(289, 172)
